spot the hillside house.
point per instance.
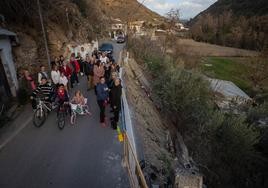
(118, 27)
(137, 27)
(8, 74)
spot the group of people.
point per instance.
(101, 73)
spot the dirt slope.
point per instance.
(128, 10)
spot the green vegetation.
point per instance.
(238, 70)
(223, 146)
(227, 69)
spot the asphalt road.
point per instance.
(82, 156)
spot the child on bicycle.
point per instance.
(62, 98)
(80, 100)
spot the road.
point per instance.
(82, 156)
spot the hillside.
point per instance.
(246, 8)
(66, 22)
(128, 10)
(235, 23)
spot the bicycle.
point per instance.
(61, 115)
(41, 112)
(78, 109)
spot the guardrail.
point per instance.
(131, 162)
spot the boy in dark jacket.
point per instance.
(102, 98)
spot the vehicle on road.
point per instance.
(40, 114)
(107, 48)
(120, 39)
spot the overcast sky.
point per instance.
(188, 8)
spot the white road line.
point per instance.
(12, 136)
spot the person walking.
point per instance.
(102, 99)
(116, 93)
(74, 70)
(98, 72)
(89, 71)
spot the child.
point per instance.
(79, 99)
(64, 81)
(62, 98)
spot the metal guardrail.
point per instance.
(136, 176)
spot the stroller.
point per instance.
(78, 109)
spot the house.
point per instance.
(8, 73)
(117, 27)
(137, 27)
(181, 27)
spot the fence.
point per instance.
(131, 162)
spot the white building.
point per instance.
(8, 73)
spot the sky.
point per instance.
(188, 8)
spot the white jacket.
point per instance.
(55, 76)
(63, 80)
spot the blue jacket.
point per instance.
(102, 92)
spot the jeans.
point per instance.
(74, 78)
(102, 111)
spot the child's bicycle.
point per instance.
(80, 110)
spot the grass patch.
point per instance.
(231, 69)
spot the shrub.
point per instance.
(223, 146)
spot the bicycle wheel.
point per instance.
(73, 118)
(39, 117)
(61, 120)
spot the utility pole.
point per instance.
(44, 35)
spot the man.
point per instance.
(103, 58)
(74, 70)
(95, 53)
(44, 89)
(116, 93)
(102, 99)
(89, 71)
(83, 53)
(42, 74)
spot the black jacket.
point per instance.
(89, 69)
(116, 93)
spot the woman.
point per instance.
(28, 84)
(75, 68)
(116, 93)
(98, 72)
(55, 75)
(102, 99)
(66, 70)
